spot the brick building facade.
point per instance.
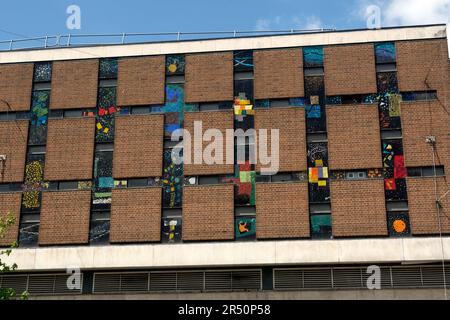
(88, 155)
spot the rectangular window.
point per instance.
(68, 185)
(39, 118)
(171, 229)
(355, 175)
(99, 228)
(42, 72)
(313, 57)
(385, 52)
(245, 228)
(208, 180)
(244, 87)
(108, 68)
(175, 64)
(398, 224)
(29, 230)
(103, 180)
(419, 96)
(137, 183)
(172, 182)
(107, 107)
(321, 227)
(243, 60)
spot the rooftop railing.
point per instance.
(80, 40)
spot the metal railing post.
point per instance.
(68, 40)
(123, 38)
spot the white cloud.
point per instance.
(294, 22)
(407, 12)
(411, 12)
(313, 22)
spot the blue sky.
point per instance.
(48, 17)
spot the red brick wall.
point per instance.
(422, 62)
(16, 81)
(292, 133)
(13, 144)
(350, 69)
(282, 210)
(422, 206)
(353, 137)
(65, 218)
(70, 149)
(10, 204)
(141, 81)
(419, 120)
(138, 146)
(278, 73)
(208, 213)
(136, 215)
(220, 120)
(209, 77)
(74, 84)
(358, 208)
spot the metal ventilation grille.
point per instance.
(134, 282)
(317, 278)
(288, 279)
(164, 281)
(181, 281)
(109, 282)
(187, 281)
(41, 284)
(246, 280)
(49, 284)
(218, 281)
(356, 278)
(17, 283)
(406, 277)
(347, 278)
(432, 276)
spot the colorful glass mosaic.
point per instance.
(175, 64)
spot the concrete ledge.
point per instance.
(265, 42)
(233, 254)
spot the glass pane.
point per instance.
(389, 108)
(106, 114)
(172, 182)
(34, 182)
(321, 227)
(171, 230)
(387, 82)
(108, 68)
(29, 234)
(39, 118)
(99, 232)
(175, 64)
(245, 228)
(244, 88)
(174, 108)
(398, 224)
(243, 60)
(385, 52)
(42, 72)
(395, 172)
(103, 180)
(313, 57)
(245, 180)
(243, 113)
